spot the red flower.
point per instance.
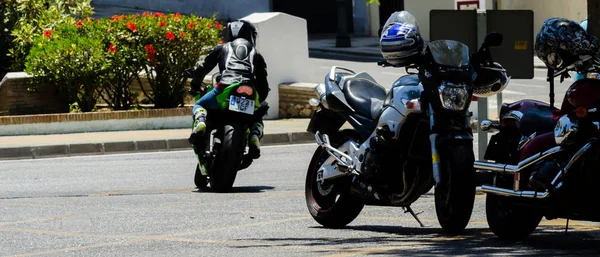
(47, 33)
(208, 25)
(145, 14)
(158, 14)
(161, 24)
(150, 49)
(132, 26)
(136, 15)
(218, 25)
(79, 24)
(170, 35)
(176, 19)
(112, 48)
(177, 15)
(190, 25)
(182, 35)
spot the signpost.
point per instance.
(470, 27)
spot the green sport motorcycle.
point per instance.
(223, 150)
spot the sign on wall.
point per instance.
(467, 5)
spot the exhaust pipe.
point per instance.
(512, 169)
(512, 193)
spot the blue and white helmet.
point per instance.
(400, 42)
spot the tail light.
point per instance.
(245, 90)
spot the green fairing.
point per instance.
(223, 98)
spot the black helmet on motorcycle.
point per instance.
(241, 29)
(490, 80)
(560, 42)
(401, 42)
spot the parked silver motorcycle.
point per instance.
(402, 143)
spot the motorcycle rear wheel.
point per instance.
(455, 195)
(330, 203)
(228, 159)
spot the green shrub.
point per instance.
(28, 19)
(92, 59)
(124, 55)
(75, 61)
(171, 44)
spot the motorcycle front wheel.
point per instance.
(455, 195)
(330, 203)
(510, 221)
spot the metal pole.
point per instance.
(482, 102)
(342, 39)
(499, 96)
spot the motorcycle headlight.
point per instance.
(453, 96)
(564, 128)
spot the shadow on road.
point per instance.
(406, 241)
(234, 190)
(344, 57)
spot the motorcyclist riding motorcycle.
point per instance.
(239, 61)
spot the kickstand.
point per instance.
(410, 210)
(567, 227)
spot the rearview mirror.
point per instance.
(493, 39)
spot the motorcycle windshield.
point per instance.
(403, 17)
(450, 53)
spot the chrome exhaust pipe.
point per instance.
(512, 169)
(517, 194)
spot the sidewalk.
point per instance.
(38, 146)
(366, 47)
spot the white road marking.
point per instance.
(510, 92)
(135, 154)
(510, 84)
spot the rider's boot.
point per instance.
(199, 126)
(256, 135)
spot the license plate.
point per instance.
(243, 105)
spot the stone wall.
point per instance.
(293, 100)
(15, 99)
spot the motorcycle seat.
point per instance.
(537, 119)
(364, 95)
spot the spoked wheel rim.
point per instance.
(324, 194)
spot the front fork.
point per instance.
(435, 157)
(433, 138)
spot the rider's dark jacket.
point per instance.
(238, 61)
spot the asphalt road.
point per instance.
(146, 205)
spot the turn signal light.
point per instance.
(581, 112)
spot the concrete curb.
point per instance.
(65, 150)
(83, 149)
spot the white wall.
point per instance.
(226, 9)
(421, 8)
(543, 9)
(283, 42)
(176, 122)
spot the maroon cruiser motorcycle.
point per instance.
(544, 161)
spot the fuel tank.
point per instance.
(583, 93)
